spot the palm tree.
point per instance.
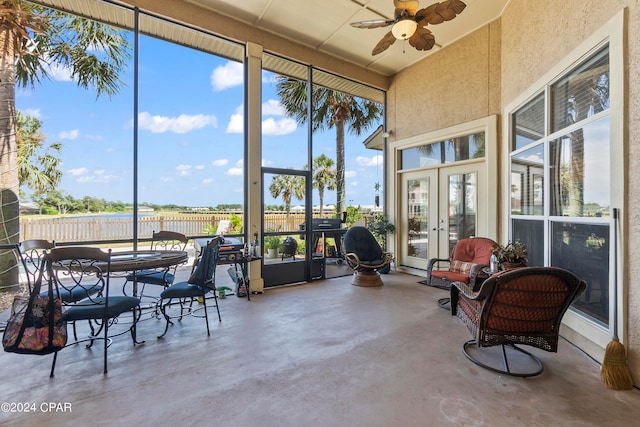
(288, 186)
(32, 38)
(331, 109)
(324, 176)
(38, 166)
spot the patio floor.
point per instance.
(320, 354)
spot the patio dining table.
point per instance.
(134, 261)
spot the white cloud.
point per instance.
(166, 179)
(207, 181)
(349, 174)
(229, 75)
(283, 126)
(33, 112)
(237, 169)
(220, 162)
(236, 122)
(183, 170)
(199, 167)
(97, 179)
(182, 124)
(100, 176)
(78, 171)
(369, 161)
(69, 134)
(58, 72)
(273, 107)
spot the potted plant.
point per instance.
(380, 228)
(512, 255)
(272, 244)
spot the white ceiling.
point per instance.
(324, 25)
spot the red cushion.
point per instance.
(477, 251)
(451, 276)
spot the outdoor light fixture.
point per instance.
(404, 28)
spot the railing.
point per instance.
(119, 227)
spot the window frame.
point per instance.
(586, 331)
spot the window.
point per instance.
(452, 150)
(560, 187)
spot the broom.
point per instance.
(615, 373)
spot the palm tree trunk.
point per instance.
(340, 203)
(9, 184)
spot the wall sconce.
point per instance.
(387, 134)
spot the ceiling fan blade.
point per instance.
(422, 39)
(376, 23)
(384, 44)
(438, 13)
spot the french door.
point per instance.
(439, 207)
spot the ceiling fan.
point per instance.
(409, 23)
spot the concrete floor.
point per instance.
(320, 354)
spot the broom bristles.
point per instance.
(615, 372)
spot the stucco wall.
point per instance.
(469, 80)
(457, 84)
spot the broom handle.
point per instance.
(615, 273)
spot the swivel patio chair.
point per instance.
(523, 306)
(201, 282)
(365, 256)
(468, 257)
(160, 241)
(79, 270)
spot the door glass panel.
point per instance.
(418, 221)
(462, 207)
(283, 245)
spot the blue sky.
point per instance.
(190, 139)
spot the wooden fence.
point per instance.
(120, 227)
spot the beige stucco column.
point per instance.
(253, 142)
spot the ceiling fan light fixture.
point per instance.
(404, 28)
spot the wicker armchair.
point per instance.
(468, 258)
(520, 306)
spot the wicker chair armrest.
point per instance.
(352, 259)
(475, 270)
(465, 289)
(435, 262)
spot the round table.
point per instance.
(142, 260)
(146, 259)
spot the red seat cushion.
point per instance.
(451, 276)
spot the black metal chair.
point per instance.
(201, 282)
(523, 306)
(160, 241)
(79, 271)
(365, 256)
(31, 251)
